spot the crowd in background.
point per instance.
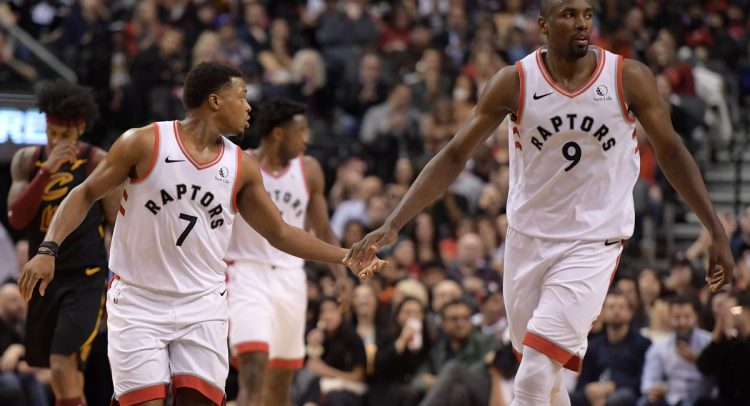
(387, 84)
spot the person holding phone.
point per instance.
(670, 375)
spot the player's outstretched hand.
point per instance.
(362, 252)
(366, 269)
(720, 263)
(41, 267)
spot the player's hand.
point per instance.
(64, 152)
(363, 251)
(41, 267)
(720, 262)
(365, 270)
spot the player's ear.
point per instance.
(214, 101)
(543, 26)
(278, 133)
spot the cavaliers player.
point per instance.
(184, 184)
(574, 162)
(62, 325)
(267, 287)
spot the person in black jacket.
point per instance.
(399, 355)
(728, 356)
(613, 365)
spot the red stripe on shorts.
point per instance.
(158, 391)
(205, 388)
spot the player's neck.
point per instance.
(199, 132)
(562, 67)
(270, 157)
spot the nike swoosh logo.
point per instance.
(92, 271)
(611, 242)
(542, 96)
(222, 293)
(169, 161)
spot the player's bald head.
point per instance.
(547, 6)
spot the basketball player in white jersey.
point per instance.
(184, 185)
(268, 287)
(574, 161)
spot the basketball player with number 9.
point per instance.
(573, 164)
(184, 185)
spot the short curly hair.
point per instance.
(204, 79)
(67, 101)
(274, 113)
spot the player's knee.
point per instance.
(252, 368)
(535, 378)
(61, 366)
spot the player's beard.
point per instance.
(579, 52)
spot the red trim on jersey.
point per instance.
(251, 346)
(201, 385)
(574, 364)
(196, 164)
(614, 271)
(141, 395)
(236, 180)
(154, 155)
(580, 89)
(522, 92)
(621, 92)
(125, 194)
(547, 347)
(267, 171)
(519, 146)
(121, 210)
(296, 363)
(304, 174)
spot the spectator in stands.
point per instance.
(9, 266)
(341, 367)
(370, 324)
(18, 383)
(425, 238)
(741, 241)
(471, 268)
(443, 293)
(612, 368)
(344, 35)
(727, 358)
(491, 319)
(628, 286)
(670, 375)
(388, 130)
(232, 50)
(650, 288)
(399, 355)
(358, 94)
(254, 31)
(456, 369)
(681, 276)
(427, 82)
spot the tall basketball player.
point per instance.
(62, 325)
(574, 162)
(267, 287)
(185, 183)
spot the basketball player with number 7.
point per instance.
(184, 185)
(573, 164)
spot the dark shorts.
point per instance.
(66, 320)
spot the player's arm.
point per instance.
(111, 201)
(499, 98)
(131, 152)
(20, 213)
(677, 164)
(257, 209)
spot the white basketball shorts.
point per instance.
(267, 306)
(155, 338)
(554, 290)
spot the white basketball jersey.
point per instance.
(289, 191)
(175, 223)
(574, 157)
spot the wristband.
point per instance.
(48, 248)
